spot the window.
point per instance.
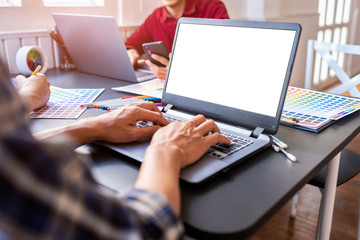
(10, 3)
(73, 3)
(334, 22)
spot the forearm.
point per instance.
(82, 132)
(160, 173)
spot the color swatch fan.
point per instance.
(313, 110)
(28, 58)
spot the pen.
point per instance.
(96, 106)
(290, 122)
(287, 154)
(276, 149)
(282, 144)
(127, 97)
(143, 97)
(87, 105)
(37, 69)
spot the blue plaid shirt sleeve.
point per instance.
(48, 192)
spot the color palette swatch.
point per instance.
(62, 94)
(152, 88)
(65, 103)
(34, 59)
(313, 110)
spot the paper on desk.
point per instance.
(62, 94)
(152, 88)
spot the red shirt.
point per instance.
(160, 26)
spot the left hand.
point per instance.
(119, 126)
(159, 72)
(34, 90)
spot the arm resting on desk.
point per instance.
(118, 126)
(173, 147)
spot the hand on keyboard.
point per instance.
(119, 126)
(219, 150)
(191, 139)
(222, 150)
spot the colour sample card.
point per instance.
(152, 88)
(314, 109)
(304, 120)
(62, 94)
(65, 103)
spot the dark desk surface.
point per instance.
(236, 203)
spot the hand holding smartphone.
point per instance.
(158, 48)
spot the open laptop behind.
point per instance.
(96, 46)
(235, 72)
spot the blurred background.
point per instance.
(325, 20)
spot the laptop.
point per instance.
(234, 72)
(96, 47)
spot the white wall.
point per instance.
(236, 8)
(134, 12)
(33, 14)
(305, 13)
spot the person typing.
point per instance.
(48, 192)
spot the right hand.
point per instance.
(185, 142)
(34, 90)
(172, 148)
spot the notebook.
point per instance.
(96, 47)
(235, 72)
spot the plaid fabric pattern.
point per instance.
(47, 192)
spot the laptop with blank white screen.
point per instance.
(234, 72)
(96, 47)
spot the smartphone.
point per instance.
(158, 48)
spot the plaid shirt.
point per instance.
(47, 192)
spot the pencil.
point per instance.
(37, 69)
(62, 45)
(283, 144)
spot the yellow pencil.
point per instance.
(37, 69)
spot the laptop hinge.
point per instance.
(256, 133)
(166, 108)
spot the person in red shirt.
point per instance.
(161, 26)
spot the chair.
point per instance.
(349, 165)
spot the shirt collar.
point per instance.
(189, 10)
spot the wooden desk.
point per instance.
(234, 204)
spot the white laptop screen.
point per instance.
(238, 67)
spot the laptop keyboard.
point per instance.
(139, 74)
(218, 150)
(222, 150)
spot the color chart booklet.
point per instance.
(313, 111)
